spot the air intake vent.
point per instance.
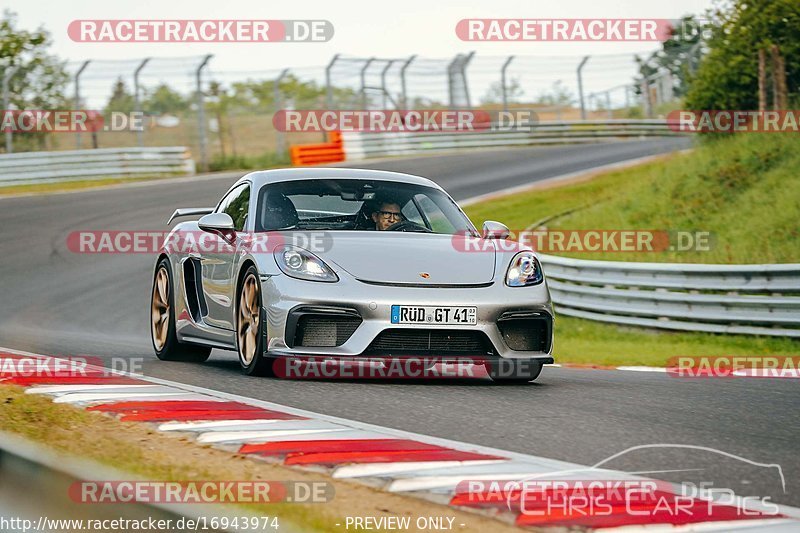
(529, 334)
(320, 331)
(431, 342)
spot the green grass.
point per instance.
(581, 341)
(745, 190)
(59, 186)
(244, 162)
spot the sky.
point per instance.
(382, 29)
(362, 28)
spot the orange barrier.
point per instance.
(316, 154)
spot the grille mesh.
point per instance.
(317, 331)
(429, 341)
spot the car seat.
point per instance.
(279, 212)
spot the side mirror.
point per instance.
(494, 230)
(219, 223)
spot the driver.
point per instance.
(387, 214)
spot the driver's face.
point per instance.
(386, 215)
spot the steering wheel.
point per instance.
(407, 225)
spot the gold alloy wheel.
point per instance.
(159, 314)
(248, 320)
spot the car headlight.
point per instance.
(524, 270)
(302, 264)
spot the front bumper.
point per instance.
(284, 296)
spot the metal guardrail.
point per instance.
(44, 167)
(36, 485)
(734, 299)
(364, 145)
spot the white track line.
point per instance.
(744, 373)
(789, 373)
(643, 368)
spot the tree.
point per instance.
(557, 96)
(678, 55)
(164, 100)
(727, 77)
(121, 100)
(305, 94)
(218, 102)
(39, 80)
(494, 95)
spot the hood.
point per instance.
(388, 257)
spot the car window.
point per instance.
(410, 212)
(236, 204)
(310, 206)
(348, 204)
(226, 199)
(434, 215)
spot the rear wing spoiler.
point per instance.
(189, 211)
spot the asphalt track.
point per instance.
(61, 303)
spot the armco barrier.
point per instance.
(44, 167)
(317, 154)
(363, 145)
(737, 299)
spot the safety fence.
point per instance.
(733, 299)
(44, 167)
(223, 113)
(364, 145)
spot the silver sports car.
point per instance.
(348, 265)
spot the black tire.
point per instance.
(515, 372)
(255, 363)
(166, 344)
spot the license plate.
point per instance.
(415, 314)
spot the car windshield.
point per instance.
(358, 205)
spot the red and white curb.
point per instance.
(404, 462)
